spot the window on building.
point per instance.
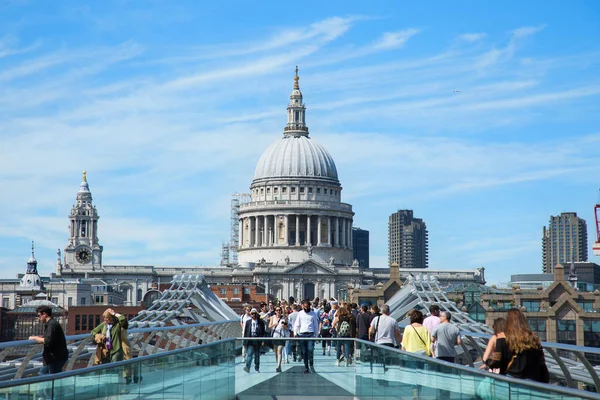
(566, 332)
(77, 322)
(309, 190)
(110, 300)
(246, 290)
(301, 190)
(262, 190)
(293, 189)
(538, 325)
(99, 299)
(591, 333)
(587, 306)
(82, 302)
(98, 320)
(55, 300)
(84, 326)
(223, 291)
(268, 190)
(236, 290)
(531, 305)
(318, 190)
(283, 190)
(274, 190)
(324, 191)
(5, 302)
(70, 301)
(91, 321)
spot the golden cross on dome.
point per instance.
(84, 176)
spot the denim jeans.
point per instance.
(253, 351)
(53, 368)
(348, 344)
(306, 349)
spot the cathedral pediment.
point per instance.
(310, 267)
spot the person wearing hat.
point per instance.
(254, 328)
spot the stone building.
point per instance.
(558, 313)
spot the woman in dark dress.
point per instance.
(522, 351)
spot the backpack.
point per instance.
(326, 323)
(344, 330)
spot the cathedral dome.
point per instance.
(296, 157)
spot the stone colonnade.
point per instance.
(295, 230)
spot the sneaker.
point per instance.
(323, 351)
(246, 369)
(243, 359)
(347, 363)
(307, 371)
(256, 370)
(278, 369)
(337, 363)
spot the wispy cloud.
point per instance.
(471, 37)
(167, 138)
(394, 40)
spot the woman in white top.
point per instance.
(278, 324)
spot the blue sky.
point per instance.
(168, 106)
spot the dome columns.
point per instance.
(302, 229)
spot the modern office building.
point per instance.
(563, 241)
(407, 240)
(360, 246)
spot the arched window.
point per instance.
(139, 295)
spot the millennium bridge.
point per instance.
(187, 345)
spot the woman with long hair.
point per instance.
(278, 324)
(491, 358)
(343, 324)
(524, 348)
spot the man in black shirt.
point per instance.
(55, 353)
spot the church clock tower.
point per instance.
(83, 253)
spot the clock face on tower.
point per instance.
(83, 256)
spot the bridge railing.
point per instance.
(215, 371)
(20, 359)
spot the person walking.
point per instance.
(307, 326)
(325, 328)
(109, 334)
(345, 326)
(55, 353)
(243, 319)
(445, 337)
(278, 324)
(416, 339)
(522, 350)
(292, 345)
(490, 356)
(254, 328)
(384, 330)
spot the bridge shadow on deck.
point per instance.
(294, 384)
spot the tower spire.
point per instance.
(296, 79)
(296, 125)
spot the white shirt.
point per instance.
(386, 329)
(306, 322)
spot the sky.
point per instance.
(482, 117)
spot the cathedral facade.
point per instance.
(295, 235)
(295, 232)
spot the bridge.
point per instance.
(188, 346)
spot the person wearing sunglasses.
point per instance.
(278, 324)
